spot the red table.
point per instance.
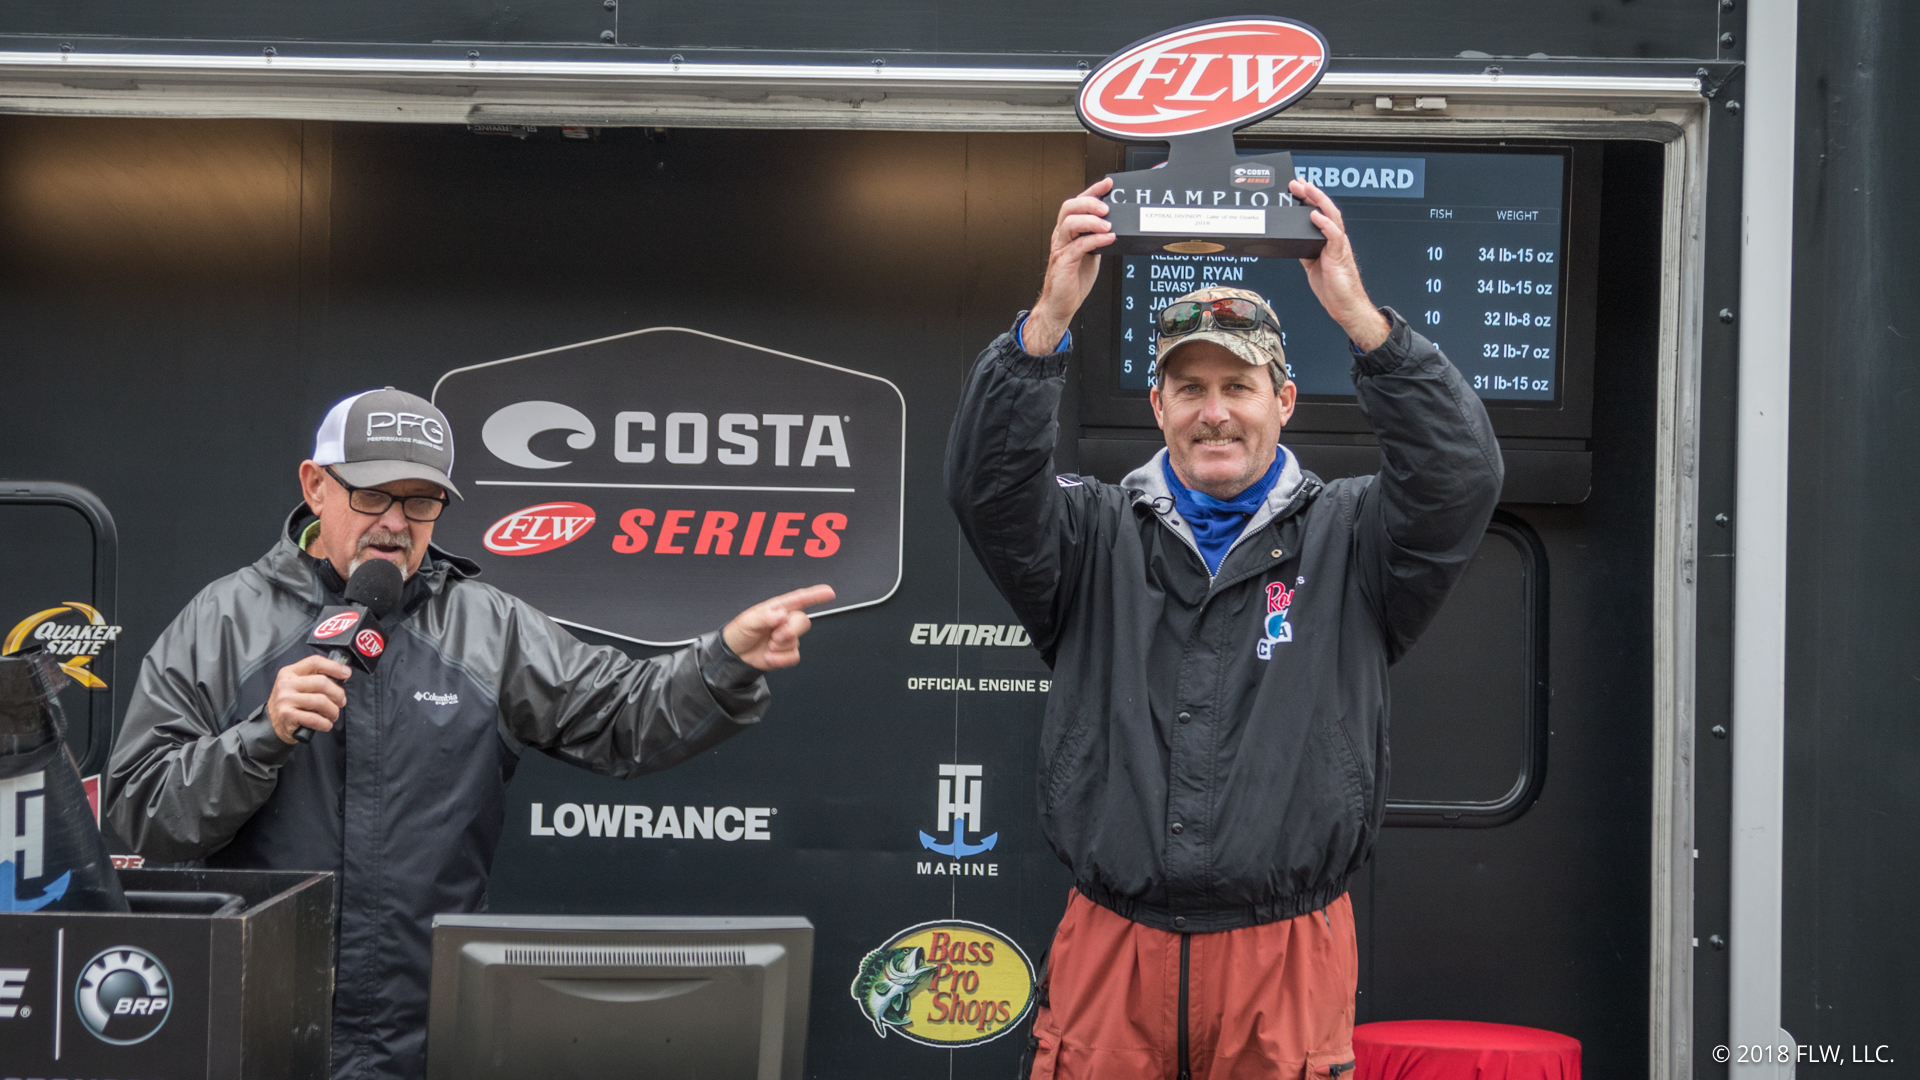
(1462, 1050)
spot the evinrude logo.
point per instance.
(959, 810)
(1226, 73)
(123, 995)
(78, 642)
(945, 984)
(23, 835)
(1011, 636)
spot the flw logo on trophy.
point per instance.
(1194, 86)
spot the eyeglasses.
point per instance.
(1227, 313)
(373, 502)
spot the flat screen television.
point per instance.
(578, 996)
(1487, 248)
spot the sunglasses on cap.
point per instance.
(1226, 313)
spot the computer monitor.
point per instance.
(627, 996)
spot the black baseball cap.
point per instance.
(378, 436)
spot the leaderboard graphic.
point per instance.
(1466, 246)
(651, 485)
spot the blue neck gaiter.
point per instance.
(1216, 523)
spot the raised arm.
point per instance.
(1022, 523)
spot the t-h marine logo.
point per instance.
(23, 833)
(960, 811)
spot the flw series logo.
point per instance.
(539, 528)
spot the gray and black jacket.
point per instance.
(404, 799)
(1210, 760)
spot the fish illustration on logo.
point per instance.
(887, 981)
(1278, 629)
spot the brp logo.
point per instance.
(337, 625)
(124, 995)
(538, 528)
(1225, 73)
(368, 642)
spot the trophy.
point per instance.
(1193, 87)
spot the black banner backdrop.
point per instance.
(208, 309)
(651, 485)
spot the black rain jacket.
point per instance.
(1214, 753)
(405, 799)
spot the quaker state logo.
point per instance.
(74, 632)
(947, 984)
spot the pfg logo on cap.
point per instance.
(124, 995)
(1224, 73)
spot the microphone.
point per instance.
(349, 633)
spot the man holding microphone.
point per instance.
(402, 790)
(1213, 764)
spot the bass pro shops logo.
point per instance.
(123, 996)
(726, 473)
(1278, 629)
(1221, 74)
(946, 984)
(58, 632)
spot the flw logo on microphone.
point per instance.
(337, 625)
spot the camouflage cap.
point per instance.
(1259, 346)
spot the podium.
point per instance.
(216, 973)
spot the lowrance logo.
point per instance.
(538, 528)
(13, 986)
(646, 823)
(1221, 74)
